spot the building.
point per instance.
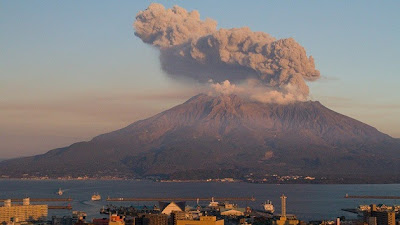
(177, 215)
(78, 216)
(233, 212)
(186, 215)
(384, 217)
(152, 219)
(101, 221)
(204, 220)
(285, 219)
(65, 220)
(24, 212)
(372, 220)
(116, 220)
(168, 207)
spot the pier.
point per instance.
(41, 200)
(60, 207)
(371, 197)
(179, 199)
(355, 211)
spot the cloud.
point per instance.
(224, 88)
(170, 27)
(253, 90)
(195, 49)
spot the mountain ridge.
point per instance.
(226, 133)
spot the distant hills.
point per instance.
(226, 136)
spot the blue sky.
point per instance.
(73, 69)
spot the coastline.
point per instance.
(327, 182)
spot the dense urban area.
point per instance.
(177, 212)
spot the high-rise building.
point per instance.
(380, 217)
(372, 220)
(384, 217)
(24, 212)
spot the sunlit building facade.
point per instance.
(24, 212)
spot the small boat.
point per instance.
(96, 197)
(60, 192)
(268, 207)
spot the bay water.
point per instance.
(306, 201)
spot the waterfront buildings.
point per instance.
(184, 215)
(20, 213)
(380, 217)
(232, 212)
(168, 207)
(203, 220)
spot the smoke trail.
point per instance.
(192, 48)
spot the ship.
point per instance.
(268, 207)
(60, 192)
(96, 197)
(213, 203)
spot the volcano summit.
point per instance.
(225, 135)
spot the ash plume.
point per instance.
(193, 48)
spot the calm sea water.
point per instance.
(308, 202)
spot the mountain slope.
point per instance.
(226, 133)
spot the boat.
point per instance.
(268, 207)
(213, 203)
(60, 192)
(96, 197)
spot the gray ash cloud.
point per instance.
(196, 49)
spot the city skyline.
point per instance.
(73, 70)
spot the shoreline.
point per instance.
(198, 181)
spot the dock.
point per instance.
(355, 211)
(371, 197)
(60, 207)
(40, 200)
(180, 199)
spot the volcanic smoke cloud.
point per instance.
(267, 69)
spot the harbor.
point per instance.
(40, 200)
(80, 193)
(371, 197)
(61, 207)
(124, 199)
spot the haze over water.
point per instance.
(307, 202)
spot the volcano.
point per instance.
(226, 135)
